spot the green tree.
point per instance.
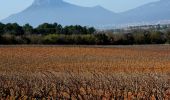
(101, 38)
(7, 39)
(46, 29)
(158, 37)
(28, 29)
(51, 39)
(77, 29)
(168, 35)
(91, 30)
(1, 28)
(142, 37)
(58, 28)
(14, 29)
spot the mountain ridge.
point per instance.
(154, 11)
(65, 13)
(68, 14)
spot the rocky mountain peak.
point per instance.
(47, 2)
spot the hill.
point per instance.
(59, 11)
(51, 11)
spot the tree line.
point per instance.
(46, 33)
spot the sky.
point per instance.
(8, 7)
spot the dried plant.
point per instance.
(85, 73)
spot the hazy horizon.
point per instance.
(15, 6)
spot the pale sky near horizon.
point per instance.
(8, 7)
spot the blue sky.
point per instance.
(8, 7)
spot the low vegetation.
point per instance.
(85, 73)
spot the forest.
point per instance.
(56, 34)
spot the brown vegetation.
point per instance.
(85, 73)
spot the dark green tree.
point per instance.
(2, 28)
(58, 28)
(14, 29)
(91, 30)
(28, 29)
(168, 35)
(46, 29)
(101, 38)
(77, 29)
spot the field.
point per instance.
(85, 72)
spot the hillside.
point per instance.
(59, 11)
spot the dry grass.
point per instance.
(85, 73)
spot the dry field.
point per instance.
(85, 73)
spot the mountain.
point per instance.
(68, 14)
(152, 12)
(61, 12)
